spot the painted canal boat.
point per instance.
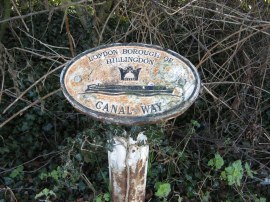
(147, 90)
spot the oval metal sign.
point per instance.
(130, 83)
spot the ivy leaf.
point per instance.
(16, 172)
(261, 199)
(43, 176)
(163, 189)
(39, 195)
(98, 199)
(106, 197)
(55, 175)
(45, 192)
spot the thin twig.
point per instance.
(236, 82)
(107, 20)
(216, 98)
(89, 184)
(29, 106)
(48, 10)
(34, 159)
(15, 6)
(70, 38)
(180, 9)
(30, 87)
(41, 56)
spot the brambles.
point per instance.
(227, 41)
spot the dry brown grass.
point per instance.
(228, 41)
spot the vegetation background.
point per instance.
(217, 151)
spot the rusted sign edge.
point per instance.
(126, 120)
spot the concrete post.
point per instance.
(128, 168)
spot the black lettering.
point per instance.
(105, 53)
(106, 108)
(121, 111)
(136, 59)
(130, 59)
(109, 61)
(145, 109)
(114, 109)
(159, 106)
(90, 59)
(153, 109)
(99, 105)
(146, 61)
(152, 54)
(128, 110)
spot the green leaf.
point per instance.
(98, 198)
(223, 175)
(55, 175)
(233, 174)
(16, 172)
(261, 199)
(106, 197)
(43, 176)
(216, 162)
(206, 196)
(195, 123)
(39, 195)
(51, 193)
(163, 189)
(249, 171)
(45, 192)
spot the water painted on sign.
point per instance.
(130, 83)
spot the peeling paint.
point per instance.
(128, 169)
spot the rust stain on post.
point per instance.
(137, 188)
(118, 181)
(128, 170)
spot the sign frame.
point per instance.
(130, 120)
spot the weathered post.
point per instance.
(130, 84)
(128, 168)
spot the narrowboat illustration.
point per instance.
(147, 90)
